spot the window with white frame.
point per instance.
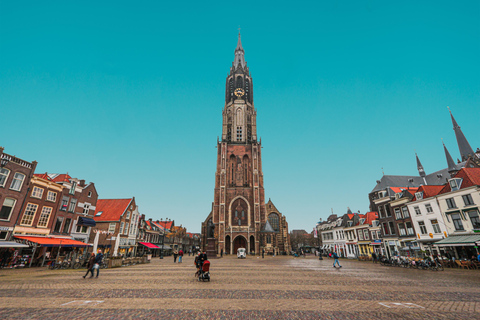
(474, 219)
(450, 203)
(392, 227)
(7, 208)
(455, 183)
(365, 234)
(51, 196)
(73, 204)
(398, 214)
(374, 235)
(410, 230)
(417, 211)
(429, 208)
(128, 215)
(419, 195)
(467, 199)
(29, 214)
(435, 226)
(111, 227)
(72, 189)
(401, 229)
(122, 225)
(37, 192)
(360, 235)
(126, 227)
(58, 224)
(362, 221)
(17, 181)
(64, 204)
(44, 217)
(86, 208)
(457, 222)
(82, 229)
(423, 229)
(3, 176)
(405, 212)
(89, 194)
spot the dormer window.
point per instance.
(455, 183)
(375, 223)
(398, 195)
(98, 214)
(419, 195)
(72, 189)
(350, 223)
(362, 221)
(382, 194)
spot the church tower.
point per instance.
(238, 209)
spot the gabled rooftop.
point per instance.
(111, 209)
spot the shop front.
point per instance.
(410, 249)
(376, 246)
(462, 246)
(126, 247)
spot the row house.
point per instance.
(15, 176)
(116, 226)
(428, 226)
(41, 204)
(351, 235)
(459, 203)
(406, 242)
(74, 216)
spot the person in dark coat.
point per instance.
(98, 261)
(374, 257)
(90, 264)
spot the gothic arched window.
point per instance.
(274, 221)
(269, 239)
(239, 82)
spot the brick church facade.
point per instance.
(239, 217)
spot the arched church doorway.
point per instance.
(239, 242)
(227, 245)
(252, 244)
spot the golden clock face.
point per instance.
(239, 92)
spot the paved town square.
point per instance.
(281, 287)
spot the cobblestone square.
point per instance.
(254, 288)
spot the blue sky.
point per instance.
(129, 95)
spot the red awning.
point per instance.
(53, 242)
(149, 245)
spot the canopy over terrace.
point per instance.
(149, 245)
(52, 242)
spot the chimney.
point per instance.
(82, 183)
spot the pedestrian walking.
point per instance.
(374, 257)
(263, 253)
(335, 256)
(90, 264)
(189, 252)
(221, 253)
(175, 255)
(98, 261)
(180, 256)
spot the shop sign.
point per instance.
(392, 243)
(5, 229)
(377, 241)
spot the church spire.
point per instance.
(463, 145)
(450, 163)
(420, 167)
(239, 54)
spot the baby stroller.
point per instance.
(205, 271)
